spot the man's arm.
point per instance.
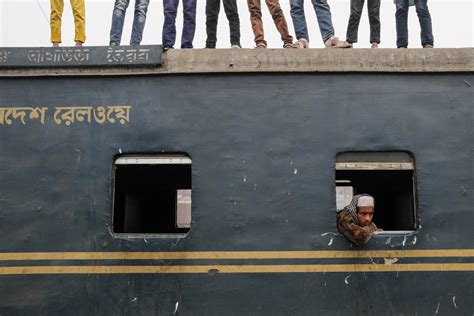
(357, 234)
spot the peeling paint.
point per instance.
(404, 241)
(454, 302)
(176, 307)
(295, 171)
(120, 150)
(439, 303)
(389, 240)
(390, 261)
(213, 271)
(135, 299)
(346, 280)
(245, 178)
(330, 241)
(414, 240)
(328, 233)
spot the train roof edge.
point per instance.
(150, 60)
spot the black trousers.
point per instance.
(373, 7)
(212, 13)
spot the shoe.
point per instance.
(261, 46)
(165, 48)
(334, 42)
(301, 43)
(113, 44)
(345, 44)
(288, 45)
(374, 45)
(428, 46)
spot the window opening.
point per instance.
(152, 195)
(389, 177)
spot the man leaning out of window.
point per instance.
(355, 220)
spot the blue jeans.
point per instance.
(323, 13)
(170, 8)
(141, 6)
(424, 17)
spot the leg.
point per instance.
(256, 20)
(141, 7)
(57, 7)
(373, 8)
(189, 23)
(299, 19)
(401, 18)
(212, 13)
(279, 20)
(170, 8)
(354, 19)
(79, 13)
(425, 22)
(118, 17)
(323, 13)
(230, 7)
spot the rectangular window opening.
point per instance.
(389, 177)
(152, 195)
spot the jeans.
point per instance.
(170, 8)
(212, 13)
(78, 11)
(424, 18)
(278, 18)
(373, 8)
(118, 17)
(323, 13)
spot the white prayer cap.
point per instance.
(365, 201)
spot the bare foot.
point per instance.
(374, 45)
(55, 44)
(78, 44)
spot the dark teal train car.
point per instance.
(204, 182)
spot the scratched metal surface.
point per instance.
(263, 148)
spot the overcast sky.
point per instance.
(26, 23)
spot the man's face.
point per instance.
(365, 214)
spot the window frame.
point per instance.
(381, 161)
(148, 159)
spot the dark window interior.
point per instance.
(145, 197)
(393, 194)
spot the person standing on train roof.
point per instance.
(278, 18)
(323, 13)
(424, 17)
(373, 8)
(355, 220)
(79, 13)
(118, 17)
(212, 14)
(170, 8)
